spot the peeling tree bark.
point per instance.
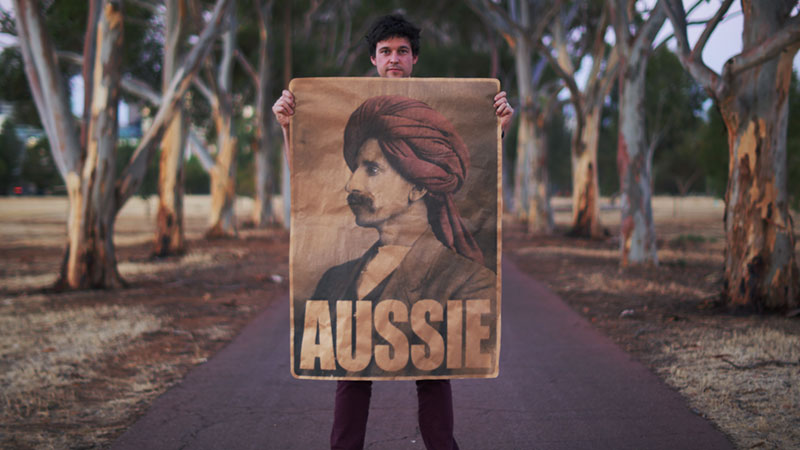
(634, 158)
(588, 105)
(760, 266)
(169, 238)
(752, 94)
(90, 260)
(262, 211)
(531, 196)
(585, 185)
(223, 175)
(95, 195)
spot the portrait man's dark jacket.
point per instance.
(429, 271)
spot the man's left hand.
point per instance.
(503, 110)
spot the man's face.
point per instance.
(393, 58)
(376, 192)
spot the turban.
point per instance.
(425, 149)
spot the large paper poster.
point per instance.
(395, 230)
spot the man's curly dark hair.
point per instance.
(393, 25)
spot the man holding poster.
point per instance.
(417, 302)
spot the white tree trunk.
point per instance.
(262, 210)
(540, 214)
(637, 234)
(522, 174)
(169, 237)
(223, 176)
(585, 188)
(90, 260)
(531, 197)
(634, 157)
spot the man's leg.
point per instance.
(436, 414)
(350, 415)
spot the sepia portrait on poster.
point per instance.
(395, 229)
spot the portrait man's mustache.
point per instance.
(357, 201)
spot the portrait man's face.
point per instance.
(376, 192)
(394, 58)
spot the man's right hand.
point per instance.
(284, 108)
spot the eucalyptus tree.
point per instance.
(634, 44)
(169, 238)
(265, 125)
(523, 24)
(86, 161)
(752, 92)
(261, 77)
(590, 22)
(218, 92)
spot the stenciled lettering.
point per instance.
(344, 335)
(398, 342)
(317, 323)
(434, 343)
(476, 332)
(455, 331)
(356, 323)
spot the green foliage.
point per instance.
(196, 180)
(40, 170)
(607, 175)
(558, 155)
(673, 109)
(15, 88)
(793, 144)
(10, 151)
(712, 153)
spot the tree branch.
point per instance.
(198, 147)
(783, 39)
(619, 19)
(494, 17)
(140, 89)
(709, 79)
(210, 96)
(648, 31)
(154, 9)
(247, 67)
(710, 27)
(47, 87)
(133, 174)
(87, 67)
(128, 83)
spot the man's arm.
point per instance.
(503, 110)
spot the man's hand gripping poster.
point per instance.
(395, 229)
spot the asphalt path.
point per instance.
(562, 385)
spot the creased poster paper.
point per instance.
(396, 229)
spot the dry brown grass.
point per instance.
(742, 372)
(76, 368)
(744, 380)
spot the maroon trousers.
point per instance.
(435, 413)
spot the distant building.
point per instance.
(6, 110)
